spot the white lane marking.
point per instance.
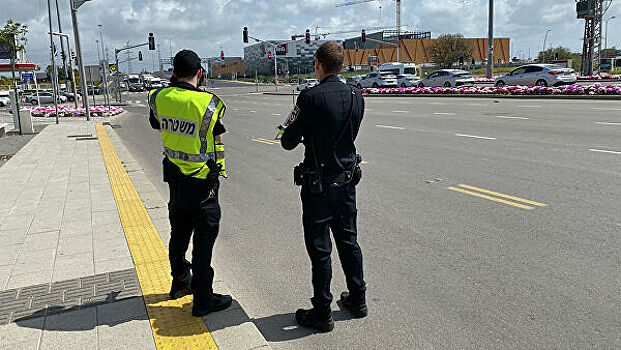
(276, 114)
(507, 117)
(253, 111)
(141, 105)
(605, 109)
(436, 103)
(528, 106)
(476, 137)
(236, 109)
(440, 113)
(607, 123)
(604, 151)
(390, 127)
(401, 111)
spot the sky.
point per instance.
(208, 26)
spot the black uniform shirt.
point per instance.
(320, 115)
(171, 171)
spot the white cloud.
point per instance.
(207, 26)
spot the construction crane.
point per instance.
(397, 15)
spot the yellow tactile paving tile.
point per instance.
(172, 323)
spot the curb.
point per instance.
(529, 97)
(231, 328)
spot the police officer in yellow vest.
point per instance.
(190, 121)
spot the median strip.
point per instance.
(497, 197)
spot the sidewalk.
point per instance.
(68, 278)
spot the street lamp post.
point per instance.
(490, 39)
(53, 59)
(105, 68)
(545, 38)
(75, 93)
(606, 37)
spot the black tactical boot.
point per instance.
(357, 305)
(313, 319)
(181, 286)
(204, 306)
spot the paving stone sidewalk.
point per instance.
(67, 279)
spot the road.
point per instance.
(484, 223)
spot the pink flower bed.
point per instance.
(71, 111)
(484, 80)
(599, 77)
(595, 89)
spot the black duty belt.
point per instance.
(343, 177)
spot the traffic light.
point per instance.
(245, 35)
(461, 58)
(269, 54)
(151, 42)
(73, 55)
(473, 62)
(308, 36)
(364, 36)
(139, 55)
(556, 56)
(62, 55)
(221, 54)
(293, 38)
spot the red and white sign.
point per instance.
(26, 67)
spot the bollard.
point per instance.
(25, 121)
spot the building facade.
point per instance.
(292, 57)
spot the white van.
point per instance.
(397, 68)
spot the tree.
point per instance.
(14, 28)
(448, 48)
(555, 53)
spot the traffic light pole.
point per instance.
(75, 91)
(118, 71)
(275, 61)
(78, 50)
(490, 39)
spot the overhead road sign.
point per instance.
(24, 67)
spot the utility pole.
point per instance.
(54, 73)
(78, 49)
(545, 38)
(129, 62)
(16, 121)
(490, 38)
(62, 47)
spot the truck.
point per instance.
(398, 68)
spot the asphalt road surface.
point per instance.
(487, 224)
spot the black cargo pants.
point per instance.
(334, 210)
(193, 209)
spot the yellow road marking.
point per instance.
(171, 321)
(504, 195)
(364, 162)
(268, 142)
(491, 198)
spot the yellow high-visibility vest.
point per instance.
(187, 119)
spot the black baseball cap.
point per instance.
(186, 63)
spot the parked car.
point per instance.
(407, 80)
(44, 97)
(538, 75)
(447, 78)
(136, 87)
(378, 79)
(69, 95)
(4, 101)
(307, 84)
(353, 81)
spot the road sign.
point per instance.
(112, 68)
(171, 60)
(92, 73)
(26, 76)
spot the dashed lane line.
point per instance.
(605, 109)
(529, 106)
(476, 137)
(507, 117)
(171, 321)
(607, 123)
(390, 127)
(443, 113)
(604, 151)
(401, 111)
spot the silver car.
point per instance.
(538, 75)
(45, 97)
(307, 84)
(447, 78)
(353, 81)
(378, 79)
(407, 80)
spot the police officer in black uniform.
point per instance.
(326, 119)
